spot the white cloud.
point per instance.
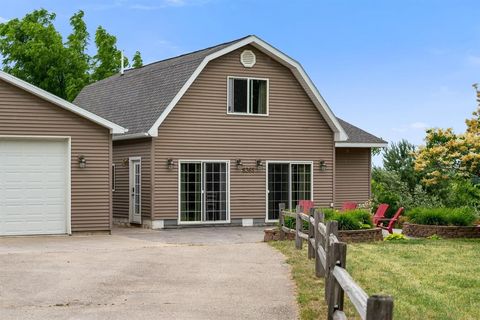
(412, 126)
(2, 20)
(176, 3)
(168, 45)
(473, 60)
(419, 125)
(401, 130)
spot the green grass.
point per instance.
(429, 279)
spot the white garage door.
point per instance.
(33, 186)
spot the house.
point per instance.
(55, 161)
(223, 135)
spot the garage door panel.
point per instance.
(33, 186)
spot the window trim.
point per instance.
(290, 162)
(114, 180)
(179, 210)
(248, 97)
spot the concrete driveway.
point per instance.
(201, 273)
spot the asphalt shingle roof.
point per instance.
(136, 99)
(357, 135)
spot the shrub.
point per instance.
(347, 222)
(434, 237)
(329, 213)
(350, 220)
(291, 223)
(443, 216)
(395, 237)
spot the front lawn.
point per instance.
(429, 279)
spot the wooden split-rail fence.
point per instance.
(330, 260)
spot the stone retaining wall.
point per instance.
(365, 235)
(423, 231)
(349, 236)
(273, 234)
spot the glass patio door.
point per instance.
(287, 183)
(203, 191)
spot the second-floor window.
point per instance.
(247, 96)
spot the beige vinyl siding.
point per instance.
(200, 128)
(352, 175)
(22, 113)
(123, 150)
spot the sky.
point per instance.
(393, 68)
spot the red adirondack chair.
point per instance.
(391, 222)
(349, 206)
(306, 205)
(380, 213)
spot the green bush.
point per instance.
(395, 237)
(349, 220)
(291, 223)
(464, 216)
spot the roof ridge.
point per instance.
(117, 75)
(189, 53)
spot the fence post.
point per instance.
(298, 228)
(311, 235)
(281, 220)
(318, 217)
(380, 308)
(332, 228)
(338, 256)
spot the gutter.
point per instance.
(131, 136)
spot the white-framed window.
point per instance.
(204, 191)
(247, 96)
(114, 173)
(288, 182)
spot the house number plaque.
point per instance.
(248, 170)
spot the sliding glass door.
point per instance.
(288, 182)
(203, 191)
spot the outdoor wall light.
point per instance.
(239, 163)
(125, 162)
(323, 165)
(259, 163)
(169, 163)
(82, 162)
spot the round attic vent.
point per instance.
(248, 58)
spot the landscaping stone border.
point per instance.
(349, 236)
(364, 235)
(273, 234)
(423, 231)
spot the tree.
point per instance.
(137, 60)
(400, 158)
(33, 50)
(447, 155)
(107, 61)
(79, 60)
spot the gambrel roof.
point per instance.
(141, 99)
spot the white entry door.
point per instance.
(135, 190)
(34, 186)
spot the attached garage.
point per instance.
(34, 190)
(55, 163)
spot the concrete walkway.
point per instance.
(214, 273)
